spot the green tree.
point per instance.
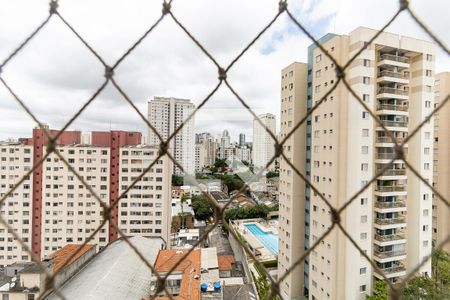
(203, 209)
(177, 180)
(272, 174)
(257, 211)
(380, 291)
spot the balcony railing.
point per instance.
(392, 172)
(394, 123)
(387, 254)
(392, 107)
(390, 90)
(386, 139)
(393, 57)
(394, 188)
(390, 221)
(392, 74)
(389, 238)
(398, 203)
(393, 270)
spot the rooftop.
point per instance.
(225, 262)
(116, 272)
(61, 257)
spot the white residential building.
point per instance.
(166, 115)
(263, 143)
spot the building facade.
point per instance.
(263, 143)
(166, 115)
(291, 187)
(441, 213)
(52, 207)
(391, 219)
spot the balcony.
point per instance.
(393, 172)
(393, 270)
(390, 238)
(392, 74)
(392, 188)
(389, 254)
(400, 220)
(389, 123)
(392, 57)
(398, 203)
(385, 155)
(403, 108)
(390, 90)
(386, 139)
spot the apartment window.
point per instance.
(429, 57)
(362, 288)
(366, 63)
(316, 118)
(364, 167)
(426, 196)
(425, 243)
(427, 135)
(365, 132)
(317, 88)
(364, 219)
(362, 271)
(366, 97)
(5, 297)
(318, 73)
(426, 166)
(364, 149)
(364, 201)
(363, 236)
(365, 115)
(425, 212)
(427, 104)
(429, 73)
(318, 58)
(425, 228)
(426, 150)
(428, 88)
(366, 80)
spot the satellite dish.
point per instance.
(14, 279)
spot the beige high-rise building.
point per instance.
(391, 219)
(291, 187)
(441, 213)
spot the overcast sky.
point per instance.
(55, 74)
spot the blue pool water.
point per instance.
(268, 239)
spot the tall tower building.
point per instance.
(391, 219)
(441, 213)
(263, 143)
(242, 139)
(166, 115)
(224, 143)
(291, 187)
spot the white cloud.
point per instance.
(55, 74)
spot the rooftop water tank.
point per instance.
(216, 286)
(203, 287)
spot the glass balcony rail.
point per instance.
(398, 203)
(393, 188)
(390, 90)
(394, 123)
(399, 220)
(386, 254)
(392, 172)
(386, 139)
(392, 74)
(390, 237)
(393, 57)
(392, 107)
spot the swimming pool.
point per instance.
(268, 239)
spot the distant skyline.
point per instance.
(55, 79)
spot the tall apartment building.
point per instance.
(441, 213)
(166, 115)
(291, 187)
(241, 139)
(205, 151)
(263, 143)
(52, 207)
(391, 220)
(225, 142)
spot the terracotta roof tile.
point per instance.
(225, 262)
(61, 256)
